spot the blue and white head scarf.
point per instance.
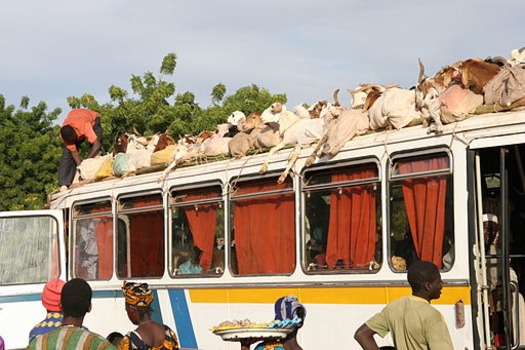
(286, 308)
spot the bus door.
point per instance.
(32, 251)
(500, 209)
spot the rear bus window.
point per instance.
(262, 227)
(341, 210)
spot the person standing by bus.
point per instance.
(75, 300)
(413, 322)
(149, 335)
(286, 308)
(80, 124)
(51, 301)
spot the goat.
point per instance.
(517, 57)
(475, 74)
(394, 107)
(360, 93)
(472, 74)
(233, 121)
(254, 133)
(314, 111)
(427, 93)
(294, 130)
(163, 141)
(341, 125)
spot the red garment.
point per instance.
(82, 120)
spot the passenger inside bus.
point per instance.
(317, 217)
(196, 232)
(493, 246)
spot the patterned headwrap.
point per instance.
(137, 294)
(286, 308)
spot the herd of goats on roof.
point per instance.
(455, 92)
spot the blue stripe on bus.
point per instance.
(105, 294)
(156, 315)
(99, 294)
(19, 298)
(181, 313)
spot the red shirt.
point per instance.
(82, 120)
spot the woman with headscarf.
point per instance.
(149, 335)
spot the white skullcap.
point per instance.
(490, 217)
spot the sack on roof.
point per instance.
(457, 103)
(164, 156)
(121, 164)
(506, 87)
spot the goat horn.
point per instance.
(136, 131)
(422, 75)
(521, 50)
(377, 87)
(336, 100)
(391, 86)
(353, 91)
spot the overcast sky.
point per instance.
(53, 49)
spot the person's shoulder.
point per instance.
(103, 342)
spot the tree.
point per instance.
(28, 156)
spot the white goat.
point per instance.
(396, 107)
(294, 130)
(341, 125)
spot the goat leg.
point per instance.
(166, 171)
(293, 158)
(311, 159)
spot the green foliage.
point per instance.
(29, 155)
(29, 161)
(168, 64)
(217, 93)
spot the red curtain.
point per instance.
(425, 205)
(147, 244)
(202, 220)
(265, 232)
(352, 228)
(104, 237)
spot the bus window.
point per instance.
(341, 230)
(263, 227)
(140, 238)
(197, 224)
(93, 240)
(29, 249)
(421, 211)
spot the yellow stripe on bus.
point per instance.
(332, 295)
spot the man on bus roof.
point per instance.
(80, 124)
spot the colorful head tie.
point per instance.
(137, 294)
(286, 308)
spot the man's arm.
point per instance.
(76, 157)
(95, 149)
(365, 337)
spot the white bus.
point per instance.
(218, 241)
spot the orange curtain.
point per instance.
(104, 237)
(202, 221)
(352, 227)
(147, 244)
(265, 234)
(425, 206)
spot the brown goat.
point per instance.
(164, 141)
(475, 74)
